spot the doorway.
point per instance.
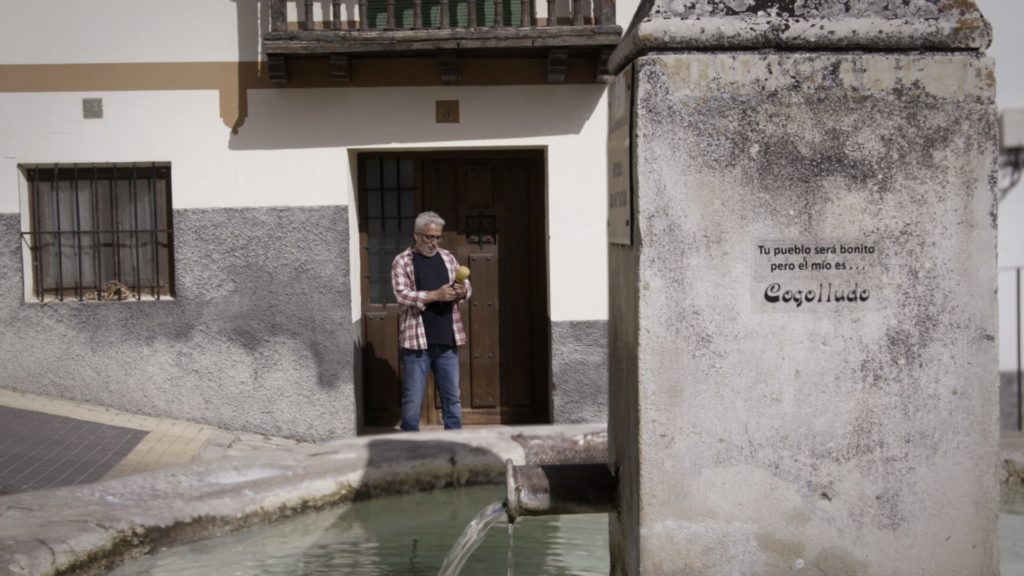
(493, 206)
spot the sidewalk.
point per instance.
(48, 442)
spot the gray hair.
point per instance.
(426, 219)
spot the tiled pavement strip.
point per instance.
(48, 442)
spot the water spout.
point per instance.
(470, 539)
(558, 489)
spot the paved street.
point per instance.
(49, 442)
(39, 450)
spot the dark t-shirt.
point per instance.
(431, 274)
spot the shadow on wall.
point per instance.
(257, 301)
(350, 117)
(357, 374)
(251, 23)
(380, 369)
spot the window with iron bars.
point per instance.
(389, 185)
(100, 231)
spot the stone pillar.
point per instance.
(802, 334)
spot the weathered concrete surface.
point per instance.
(257, 339)
(579, 371)
(761, 437)
(802, 24)
(90, 529)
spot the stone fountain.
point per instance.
(802, 332)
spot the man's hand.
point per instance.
(443, 294)
(460, 290)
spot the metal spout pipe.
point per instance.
(558, 489)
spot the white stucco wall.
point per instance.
(54, 31)
(1007, 17)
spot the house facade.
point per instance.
(200, 203)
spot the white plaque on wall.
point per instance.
(816, 274)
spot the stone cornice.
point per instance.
(862, 25)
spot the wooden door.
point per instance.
(493, 205)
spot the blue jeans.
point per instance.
(444, 361)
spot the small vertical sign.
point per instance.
(620, 177)
(447, 111)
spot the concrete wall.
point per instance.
(826, 438)
(579, 371)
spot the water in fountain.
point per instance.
(471, 538)
(393, 536)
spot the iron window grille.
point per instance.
(390, 187)
(100, 231)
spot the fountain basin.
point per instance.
(92, 528)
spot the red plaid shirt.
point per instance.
(412, 302)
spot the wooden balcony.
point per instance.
(446, 29)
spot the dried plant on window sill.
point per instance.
(113, 290)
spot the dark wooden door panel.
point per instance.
(478, 193)
(484, 335)
(515, 291)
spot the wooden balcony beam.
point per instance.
(558, 65)
(449, 67)
(601, 74)
(313, 42)
(277, 68)
(340, 68)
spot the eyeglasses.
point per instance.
(431, 237)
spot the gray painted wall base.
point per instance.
(259, 337)
(579, 371)
(1009, 400)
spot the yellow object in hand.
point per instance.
(461, 274)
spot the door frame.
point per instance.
(540, 411)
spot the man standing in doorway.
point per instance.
(430, 325)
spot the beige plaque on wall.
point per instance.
(620, 177)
